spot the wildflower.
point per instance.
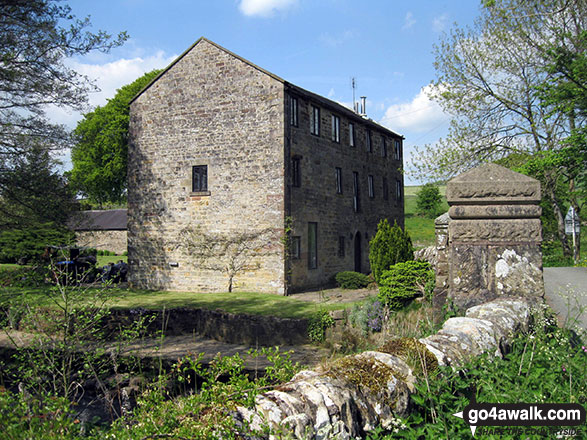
(564, 369)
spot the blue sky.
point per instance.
(387, 45)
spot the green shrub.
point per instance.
(403, 282)
(368, 316)
(428, 201)
(318, 324)
(351, 280)
(390, 246)
(30, 243)
(42, 417)
(24, 276)
(542, 367)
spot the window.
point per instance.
(296, 175)
(315, 121)
(338, 180)
(312, 245)
(398, 190)
(369, 142)
(385, 189)
(351, 134)
(295, 247)
(356, 205)
(200, 178)
(383, 147)
(293, 111)
(371, 187)
(398, 150)
(335, 128)
(341, 246)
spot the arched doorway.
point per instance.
(358, 252)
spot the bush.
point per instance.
(351, 280)
(30, 243)
(368, 316)
(428, 200)
(23, 276)
(318, 324)
(390, 246)
(403, 282)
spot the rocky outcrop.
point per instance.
(352, 396)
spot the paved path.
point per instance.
(566, 293)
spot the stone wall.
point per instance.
(208, 108)
(317, 200)
(114, 241)
(356, 394)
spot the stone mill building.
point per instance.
(220, 146)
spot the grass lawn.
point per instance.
(235, 302)
(421, 229)
(103, 260)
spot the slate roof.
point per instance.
(96, 220)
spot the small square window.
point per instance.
(315, 121)
(341, 246)
(351, 134)
(335, 128)
(293, 110)
(339, 180)
(295, 247)
(371, 187)
(200, 178)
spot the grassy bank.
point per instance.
(421, 229)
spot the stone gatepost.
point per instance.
(494, 236)
(441, 232)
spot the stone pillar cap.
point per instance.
(492, 184)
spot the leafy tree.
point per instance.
(36, 39)
(489, 79)
(428, 200)
(390, 246)
(100, 155)
(32, 191)
(35, 204)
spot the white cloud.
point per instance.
(409, 21)
(330, 40)
(440, 23)
(419, 115)
(264, 8)
(108, 77)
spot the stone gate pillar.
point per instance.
(494, 236)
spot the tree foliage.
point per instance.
(35, 204)
(36, 39)
(428, 200)
(391, 245)
(99, 156)
(512, 84)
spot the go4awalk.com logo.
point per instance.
(524, 418)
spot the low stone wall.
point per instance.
(361, 392)
(251, 330)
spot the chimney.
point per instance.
(363, 106)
